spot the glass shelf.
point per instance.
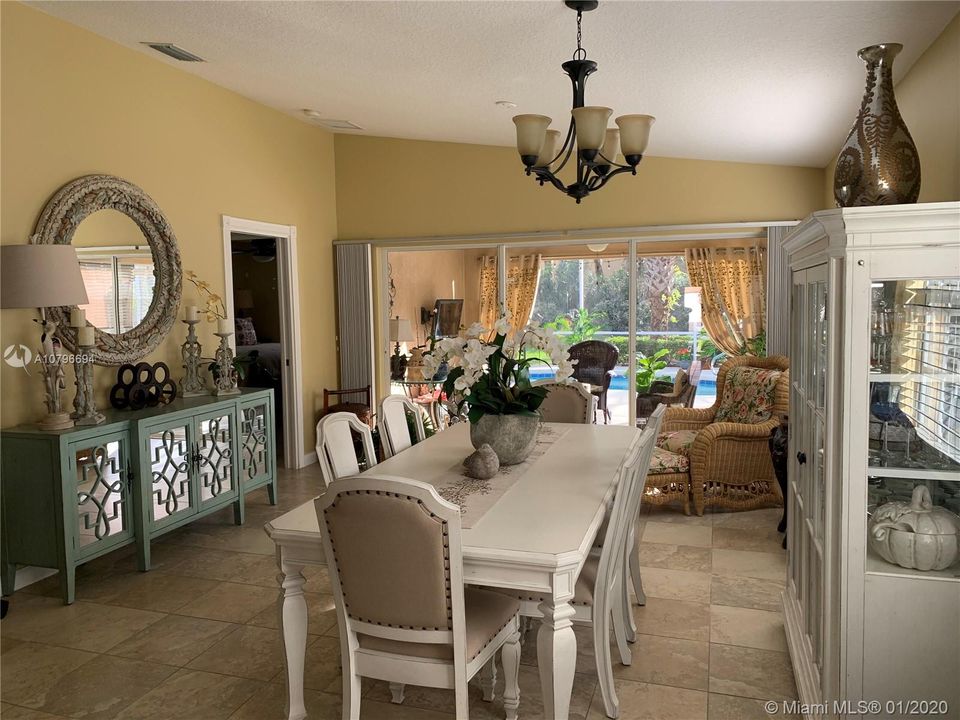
(876, 565)
(914, 402)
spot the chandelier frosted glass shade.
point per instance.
(531, 132)
(591, 126)
(595, 147)
(634, 133)
(548, 152)
(611, 146)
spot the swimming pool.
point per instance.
(707, 387)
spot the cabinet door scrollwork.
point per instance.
(253, 448)
(102, 493)
(215, 457)
(170, 459)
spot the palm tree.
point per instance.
(659, 274)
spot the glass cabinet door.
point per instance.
(170, 458)
(914, 415)
(256, 451)
(807, 487)
(101, 472)
(215, 437)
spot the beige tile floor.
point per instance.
(196, 638)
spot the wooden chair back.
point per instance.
(396, 563)
(395, 427)
(336, 453)
(626, 506)
(567, 403)
(363, 392)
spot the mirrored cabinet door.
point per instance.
(103, 493)
(215, 475)
(256, 448)
(170, 456)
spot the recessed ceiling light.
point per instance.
(506, 104)
(312, 114)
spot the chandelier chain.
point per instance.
(580, 54)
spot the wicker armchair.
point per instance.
(730, 462)
(595, 363)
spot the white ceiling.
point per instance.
(767, 82)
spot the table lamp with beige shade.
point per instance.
(44, 276)
(400, 331)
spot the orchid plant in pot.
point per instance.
(491, 378)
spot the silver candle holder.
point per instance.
(84, 402)
(224, 380)
(192, 384)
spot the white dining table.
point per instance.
(534, 538)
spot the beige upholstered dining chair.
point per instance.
(599, 595)
(396, 567)
(336, 452)
(567, 403)
(392, 421)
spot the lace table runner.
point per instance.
(474, 496)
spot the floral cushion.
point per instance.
(677, 441)
(748, 395)
(664, 462)
(246, 334)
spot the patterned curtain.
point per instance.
(523, 276)
(488, 291)
(733, 293)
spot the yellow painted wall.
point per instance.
(929, 100)
(74, 103)
(432, 188)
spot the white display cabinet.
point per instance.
(874, 413)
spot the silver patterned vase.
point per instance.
(878, 164)
(512, 437)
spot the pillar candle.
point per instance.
(224, 325)
(190, 312)
(78, 318)
(86, 336)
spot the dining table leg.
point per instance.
(557, 657)
(293, 631)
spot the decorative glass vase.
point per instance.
(878, 164)
(512, 437)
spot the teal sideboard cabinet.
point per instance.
(70, 496)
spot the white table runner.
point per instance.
(475, 496)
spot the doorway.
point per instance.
(262, 297)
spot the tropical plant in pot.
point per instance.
(491, 378)
(648, 367)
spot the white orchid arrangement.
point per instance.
(493, 377)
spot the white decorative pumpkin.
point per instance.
(916, 535)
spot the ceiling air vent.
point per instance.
(339, 125)
(177, 53)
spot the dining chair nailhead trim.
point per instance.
(480, 650)
(446, 557)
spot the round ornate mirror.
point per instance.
(129, 261)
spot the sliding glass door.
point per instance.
(626, 309)
(582, 292)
